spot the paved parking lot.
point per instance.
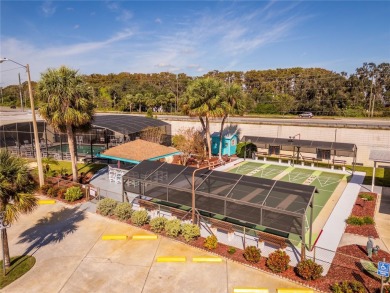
(71, 257)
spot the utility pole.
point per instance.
(20, 93)
(1, 93)
(177, 92)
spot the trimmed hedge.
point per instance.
(140, 218)
(190, 231)
(73, 193)
(252, 254)
(123, 211)
(211, 242)
(158, 224)
(106, 206)
(309, 270)
(278, 261)
(173, 227)
(348, 287)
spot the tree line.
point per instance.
(365, 93)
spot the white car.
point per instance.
(306, 115)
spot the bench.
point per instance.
(147, 205)
(180, 214)
(285, 156)
(339, 162)
(221, 225)
(272, 239)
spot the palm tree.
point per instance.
(204, 102)
(232, 103)
(67, 105)
(15, 183)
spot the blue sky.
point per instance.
(191, 36)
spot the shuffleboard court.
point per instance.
(297, 175)
(270, 171)
(245, 168)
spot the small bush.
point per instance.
(309, 270)
(158, 224)
(173, 227)
(53, 191)
(368, 220)
(61, 192)
(140, 218)
(190, 231)
(366, 196)
(278, 261)
(355, 221)
(45, 187)
(123, 211)
(231, 250)
(252, 254)
(386, 289)
(360, 221)
(73, 193)
(348, 287)
(211, 242)
(106, 206)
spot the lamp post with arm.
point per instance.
(34, 121)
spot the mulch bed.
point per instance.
(360, 209)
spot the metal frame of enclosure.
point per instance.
(106, 131)
(298, 146)
(276, 205)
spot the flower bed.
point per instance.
(364, 208)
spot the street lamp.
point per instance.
(36, 138)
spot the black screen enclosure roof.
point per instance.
(126, 124)
(309, 146)
(274, 204)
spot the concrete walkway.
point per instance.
(71, 257)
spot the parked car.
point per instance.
(306, 115)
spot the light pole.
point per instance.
(34, 121)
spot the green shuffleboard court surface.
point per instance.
(245, 168)
(297, 175)
(270, 171)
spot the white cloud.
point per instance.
(48, 9)
(76, 26)
(158, 20)
(125, 15)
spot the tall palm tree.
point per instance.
(67, 105)
(15, 183)
(204, 102)
(231, 104)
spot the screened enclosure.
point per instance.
(277, 205)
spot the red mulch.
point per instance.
(360, 209)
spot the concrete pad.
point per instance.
(93, 275)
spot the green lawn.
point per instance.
(382, 175)
(19, 266)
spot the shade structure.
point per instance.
(307, 146)
(277, 205)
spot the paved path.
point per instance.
(71, 257)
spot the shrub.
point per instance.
(53, 191)
(73, 193)
(309, 270)
(252, 254)
(140, 218)
(123, 211)
(61, 192)
(354, 220)
(190, 231)
(173, 227)
(368, 220)
(348, 287)
(158, 224)
(231, 250)
(366, 196)
(45, 187)
(360, 221)
(211, 242)
(386, 289)
(278, 261)
(106, 206)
